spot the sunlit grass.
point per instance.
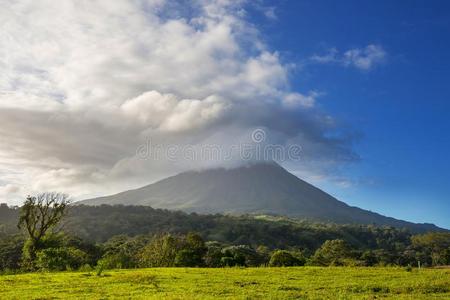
(253, 283)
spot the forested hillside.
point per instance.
(122, 234)
(261, 188)
(99, 223)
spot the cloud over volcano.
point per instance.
(85, 83)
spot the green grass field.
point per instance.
(235, 283)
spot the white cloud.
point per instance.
(299, 100)
(84, 84)
(365, 59)
(360, 58)
(330, 57)
(9, 189)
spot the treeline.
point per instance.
(98, 224)
(132, 237)
(59, 252)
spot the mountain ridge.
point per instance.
(260, 188)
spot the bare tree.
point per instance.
(38, 215)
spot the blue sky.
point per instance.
(400, 106)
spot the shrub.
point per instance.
(60, 259)
(160, 252)
(301, 259)
(113, 261)
(10, 252)
(227, 261)
(100, 268)
(243, 255)
(435, 246)
(263, 254)
(283, 258)
(188, 258)
(123, 252)
(369, 258)
(85, 268)
(332, 252)
(213, 255)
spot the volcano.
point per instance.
(262, 188)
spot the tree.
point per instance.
(60, 259)
(213, 255)
(192, 253)
(122, 251)
(227, 261)
(195, 241)
(369, 258)
(264, 254)
(243, 255)
(160, 252)
(283, 258)
(38, 216)
(435, 245)
(332, 252)
(10, 249)
(188, 258)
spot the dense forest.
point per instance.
(139, 236)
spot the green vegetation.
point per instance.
(334, 253)
(218, 259)
(142, 237)
(62, 252)
(236, 283)
(38, 216)
(283, 258)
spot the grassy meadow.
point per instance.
(233, 283)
